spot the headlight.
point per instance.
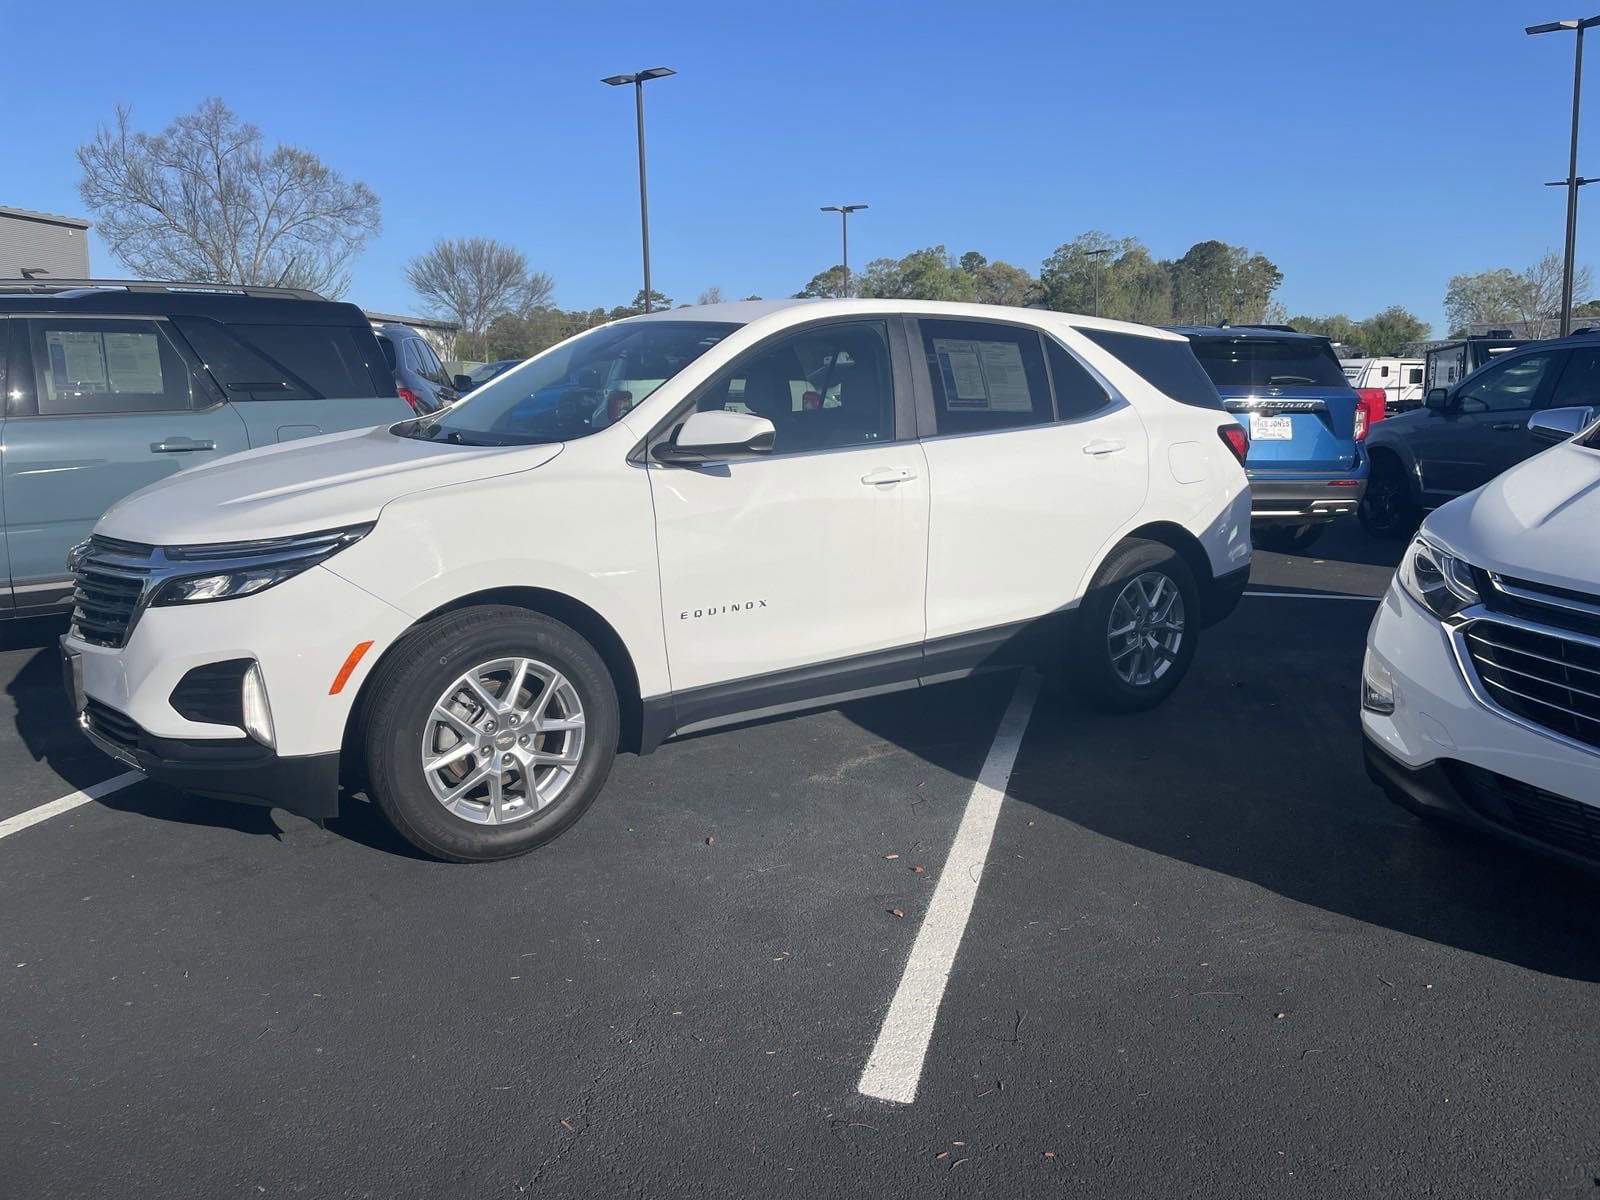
(228, 571)
(1437, 579)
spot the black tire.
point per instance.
(1288, 539)
(1388, 509)
(1090, 669)
(416, 673)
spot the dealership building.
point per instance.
(40, 243)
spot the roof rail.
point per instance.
(50, 285)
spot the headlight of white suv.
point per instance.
(1438, 580)
(228, 571)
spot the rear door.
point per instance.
(1292, 397)
(1485, 429)
(97, 408)
(295, 381)
(1033, 465)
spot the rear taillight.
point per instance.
(409, 397)
(1370, 409)
(1236, 439)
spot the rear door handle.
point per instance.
(1104, 446)
(181, 445)
(889, 475)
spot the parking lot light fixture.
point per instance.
(844, 211)
(1572, 180)
(638, 80)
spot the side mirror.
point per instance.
(1558, 424)
(1438, 399)
(716, 436)
(463, 383)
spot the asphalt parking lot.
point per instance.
(1206, 958)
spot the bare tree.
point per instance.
(712, 295)
(1538, 300)
(205, 200)
(476, 279)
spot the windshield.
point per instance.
(1269, 362)
(574, 389)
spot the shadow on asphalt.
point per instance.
(1253, 770)
(45, 721)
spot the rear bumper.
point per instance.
(1305, 499)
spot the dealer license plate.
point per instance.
(1270, 429)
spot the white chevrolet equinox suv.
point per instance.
(664, 523)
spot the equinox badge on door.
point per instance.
(716, 610)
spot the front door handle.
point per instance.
(888, 475)
(1508, 425)
(181, 445)
(1104, 446)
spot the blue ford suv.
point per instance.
(1306, 425)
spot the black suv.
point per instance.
(1469, 433)
(113, 385)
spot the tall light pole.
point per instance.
(844, 211)
(1099, 261)
(637, 79)
(1572, 181)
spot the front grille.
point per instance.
(1540, 602)
(115, 727)
(111, 578)
(1555, 820)
(1546, 677)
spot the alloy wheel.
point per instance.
(1146, 628)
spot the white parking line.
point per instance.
(1315, 596)
(55, 808)
(895, 1066)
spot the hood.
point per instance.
(1537, 521)
(301, 486)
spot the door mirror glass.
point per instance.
(1439, 399)
(1558, 424)
(463, 383)
(717, 435)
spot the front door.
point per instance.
(108, 405)
(800, 572)
(1485, 429)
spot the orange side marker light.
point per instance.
(350, 664)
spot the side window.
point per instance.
(431, 366)
(1167, 364)
(324, 358)
(1580, 382)
(1078, 393)
(1507, 386)
(1414, 377)
(986, 377)
(243, 374)
(823, 388)
(108, 366)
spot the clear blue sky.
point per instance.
(1371, 156)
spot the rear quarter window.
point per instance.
(329, 359)
(1166, 364)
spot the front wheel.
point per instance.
(1136, 629)
(489, 732)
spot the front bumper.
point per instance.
(1305, 500)
(225, 768)
(1445, 753)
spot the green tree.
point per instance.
(998, 282)
(657, 300)
(1131, 285)
(1337, 328)
(823, 285)
(1483, 297)
(1215, 282)
(1384, 333)
(927, 274)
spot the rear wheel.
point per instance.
(1387, 509)
(1287, 539)
(1136, 629)
(489, 732)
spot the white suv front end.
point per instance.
(1481, 684)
